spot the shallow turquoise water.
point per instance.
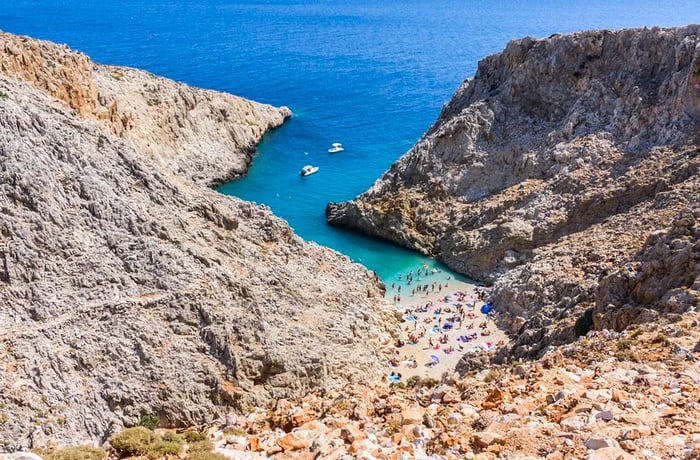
(372, 75)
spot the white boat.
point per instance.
(308, 170)
(336, 147)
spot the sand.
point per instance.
(428, 321)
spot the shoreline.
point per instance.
(441, 321)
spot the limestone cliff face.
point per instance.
(127, 289)
(549, 168)
(663, 277)
(205, 136)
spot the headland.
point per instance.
(554, 173)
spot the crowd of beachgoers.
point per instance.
(442, 318)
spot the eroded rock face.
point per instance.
(205, 136)
(127, 289)
(664, 277)
(549, 168)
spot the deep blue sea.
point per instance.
(371, 74)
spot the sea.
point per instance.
(370, 74)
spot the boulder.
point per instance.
(291, 442)
(412, 415)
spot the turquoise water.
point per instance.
(370, 74)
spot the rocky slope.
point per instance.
(608, 395)
(555, 166)
(127, 288)
(605, 396)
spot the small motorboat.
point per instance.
(308, 170)
(336, 147)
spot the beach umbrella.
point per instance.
(435, 359)
(486, 309)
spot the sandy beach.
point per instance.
(442, 320)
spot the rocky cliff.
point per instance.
(205, 136)
(127, 288)
(554, 167)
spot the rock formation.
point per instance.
(607, 395)
(554, 166)
(189, 130)
(129, 288)
(664, 277)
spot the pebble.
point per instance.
(412, 416)
(486, 438)
(573, 424)
(675, 442)
(609, 453)
(599, 443)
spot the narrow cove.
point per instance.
(274, 180)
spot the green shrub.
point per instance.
(142, 441)
(492, 375)
(624, 344)
(202, 455)
(234, 431)
(413, 381)
(194, 436)
(204, 445)
(77, 453)
(660, 338)
(149, 421)
(429, 382)
(164, 447)
(173, 437)
(635, 333)
(392, 426)
(627, 355)
(133, 441)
